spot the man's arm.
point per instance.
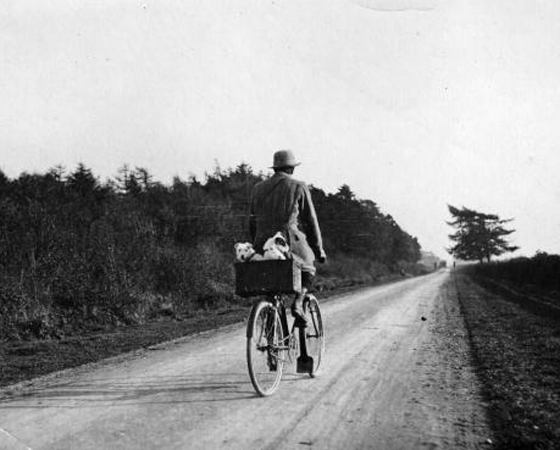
(310, 224)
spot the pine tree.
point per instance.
(479, 236)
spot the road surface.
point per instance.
(396, 376)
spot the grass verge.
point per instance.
(24, 360)
(517, 353)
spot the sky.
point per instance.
(416, 104)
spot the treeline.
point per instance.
(76, 252)
(542, 271)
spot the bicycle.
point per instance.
(270, 342)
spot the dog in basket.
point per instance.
(274, 248)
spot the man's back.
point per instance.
(273, 205)
(282, 203)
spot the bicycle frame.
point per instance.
(278, 303)
(273, 343)
(277, 300)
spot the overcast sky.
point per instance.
(415, 104)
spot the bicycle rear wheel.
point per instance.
(266, 348)
(314, 333)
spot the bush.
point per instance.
(541, 270)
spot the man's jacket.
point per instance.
(282, 203)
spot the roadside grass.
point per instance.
(24, 360)
(517, 353)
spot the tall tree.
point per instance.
(82, 180)
(479, 236)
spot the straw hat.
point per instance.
(284, 158)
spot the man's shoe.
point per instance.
(272, 363)
(298, 314)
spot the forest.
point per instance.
(76, 252)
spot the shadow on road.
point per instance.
(125, 391)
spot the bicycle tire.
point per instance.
(314, 333)
(266, 348)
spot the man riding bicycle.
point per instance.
(282, 203)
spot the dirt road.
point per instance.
(391, 380)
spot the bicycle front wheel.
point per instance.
(266, 348)
(314, 333)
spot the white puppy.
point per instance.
(244, 252)
(276, 247)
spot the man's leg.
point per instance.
(297, 306)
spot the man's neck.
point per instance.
(282, 173)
